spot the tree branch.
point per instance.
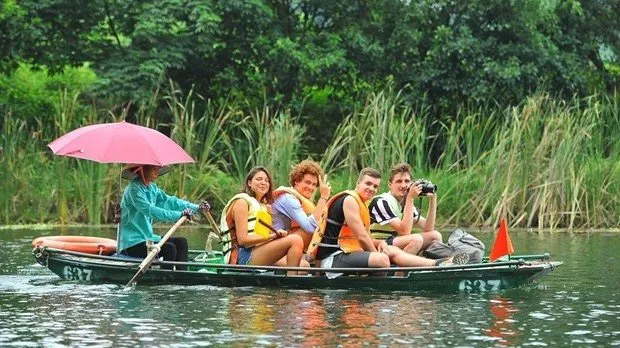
(111, 22)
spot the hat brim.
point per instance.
(128, 174)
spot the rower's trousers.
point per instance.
(175, 249)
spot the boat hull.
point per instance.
(491, 277)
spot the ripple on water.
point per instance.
(540, 315)
(578, 332)
(42, 310)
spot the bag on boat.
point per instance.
(465, 242)
(459, 241)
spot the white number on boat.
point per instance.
(478, 284)
(76, 273)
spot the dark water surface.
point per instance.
(575, 305)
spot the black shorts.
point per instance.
(358, 259)
(390, 241)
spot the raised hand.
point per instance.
(325, 188)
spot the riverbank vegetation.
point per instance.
(511, 108)
(544, 163)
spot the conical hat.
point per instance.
(129, 174)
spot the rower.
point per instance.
(144, 202)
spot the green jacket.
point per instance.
(140, 206)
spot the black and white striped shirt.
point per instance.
(381, 213)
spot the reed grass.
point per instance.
(382, 133)
(544, 163)
(264, 138)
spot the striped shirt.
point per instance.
(381, 213)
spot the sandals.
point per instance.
(459, 258)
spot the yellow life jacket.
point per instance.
(227, 225)
(347, 241)
(306, 204)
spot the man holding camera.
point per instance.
(345, 242)
(393, 213)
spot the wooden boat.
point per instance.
(517, 271)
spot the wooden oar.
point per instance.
(146, 263)
(212, 235)
(260, 221)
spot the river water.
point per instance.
(576, 305)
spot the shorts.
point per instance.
(390, 241)
(358, 259)
(244, 256)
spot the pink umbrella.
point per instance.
(120, 142)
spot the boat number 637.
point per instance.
(480, 285)
(76, 273)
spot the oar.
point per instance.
(212, 235)
(260, 221)
(146, 263)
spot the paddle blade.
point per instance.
(502, 245)
(134, 280)
(146, 263)
(260, 228)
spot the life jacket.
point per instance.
(384, 232)
(306, 204)
(308, 208)
(347, 241)
(227, 225)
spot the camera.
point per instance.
(427, 186)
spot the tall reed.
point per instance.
(544, 163)
(382, 133)
(267, 138)
(536, 172)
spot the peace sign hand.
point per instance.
(324, 187)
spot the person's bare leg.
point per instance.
(403, 259)
(378, 260)
(411, 243)
(303, 263)
(307, 237)
(429, 237)
(269, 253)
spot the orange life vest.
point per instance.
(347, 241)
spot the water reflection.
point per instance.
(578, 304)
(502, 324)
(321, 318)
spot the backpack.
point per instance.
(459, 241)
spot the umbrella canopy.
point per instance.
(120, 142)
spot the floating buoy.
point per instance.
(82, 244)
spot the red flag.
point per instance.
(502, 245)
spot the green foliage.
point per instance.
(544, 163)
(241, 83)
(320, 57)
(30, 95)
